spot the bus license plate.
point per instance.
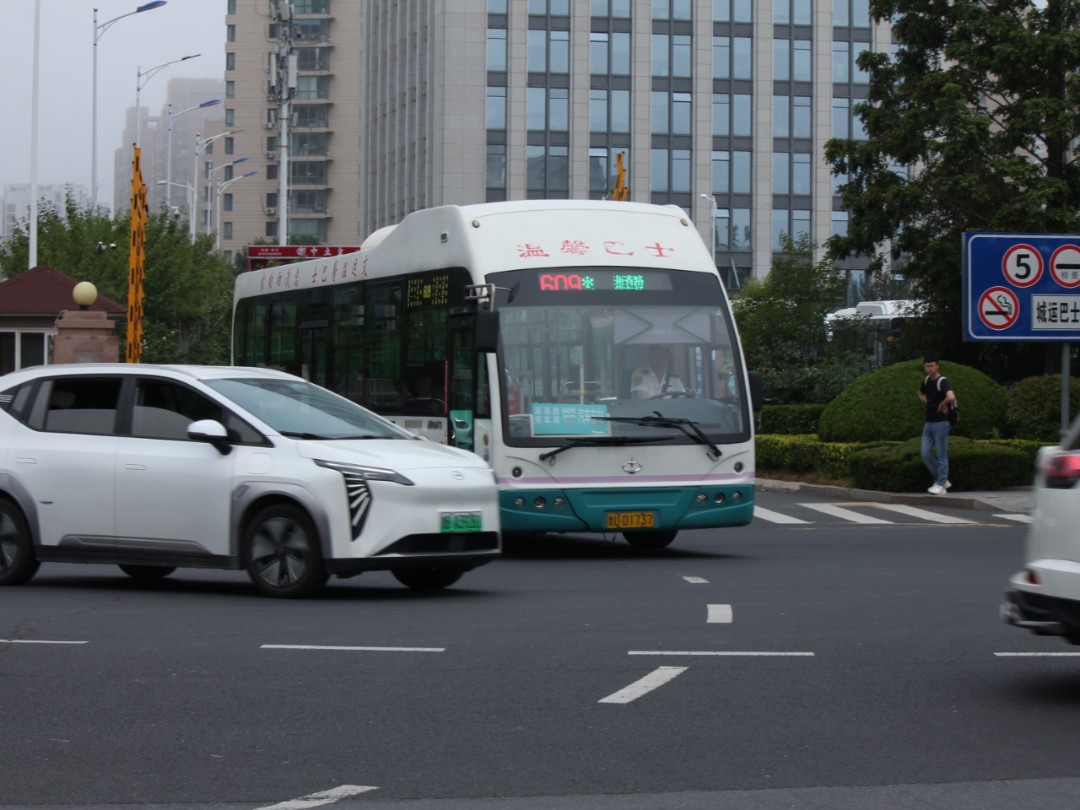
(460, 522)
(631, 520)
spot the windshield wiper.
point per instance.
(599, 441)
(687, 427)
(297, 434)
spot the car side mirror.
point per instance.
(486, 333)
(212, 432)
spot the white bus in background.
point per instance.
(516, 330)
(874, 325)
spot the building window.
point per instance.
(671, 9)
(794, 223)
(230, 60)
(495, 117)
(548, 52)
(670, 170)
(230, 145)
(547, 109)
(732, 58)
(841, 62)
(496, 49)
(230, 89)
(547, 171)
(839, 223)
(226, 231)
(792, 12)
(618, 9)
(496, 166)
(855, 13)
(230, 117)
(552, 8)
(671, 55)
(841, 118)
(733, 11)
(731, 172)
(609, 53)
(230, 33)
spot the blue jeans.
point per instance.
(935, 436)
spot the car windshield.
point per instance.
(299, 409)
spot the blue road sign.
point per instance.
(1020, 286)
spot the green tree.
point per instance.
(968, 128)
(187, 287)
(781, 320)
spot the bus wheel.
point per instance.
(17, 560)
(147, 573)
(650, 539)
(282, 553)
(430, 578)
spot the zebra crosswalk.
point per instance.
(871, 513)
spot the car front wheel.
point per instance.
(17, 560)
(282, 552)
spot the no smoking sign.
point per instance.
(999, 308)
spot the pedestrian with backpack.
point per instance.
(940, 401)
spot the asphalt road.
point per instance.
(850, 660)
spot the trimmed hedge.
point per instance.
(790, 419)
(890, 466)
(1033, 407)
(885, 405)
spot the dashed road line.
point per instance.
(775, 517)
(719, 614)
(841, 512)
(923, 514)
(655, 679)
(1018, 517)
(321, 798)
(350, 649)
(1037, 654)
(36, 641)
(697, 580)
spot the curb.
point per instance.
(986, 501)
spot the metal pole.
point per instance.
(93, 126)
(1066, 351)
(168, 165)
(34, 143)
(195, 186)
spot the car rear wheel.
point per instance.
(428, 578)
(147, 572)
(282, 552)
(650, 539)
(17, 561)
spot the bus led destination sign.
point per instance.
(594, 280)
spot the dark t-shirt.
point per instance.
(935, 397)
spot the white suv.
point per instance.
(158, 467)
(1044, 597)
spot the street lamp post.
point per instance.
(221, 186)
(140, 83)
(168, 145)
(191, 206)
(200, 145)
(210, 176)
(99, 31)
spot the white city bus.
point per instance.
(522, 331)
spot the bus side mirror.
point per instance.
(487, 330)
(757, 390)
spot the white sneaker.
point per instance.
(948, 485)
(936, 489)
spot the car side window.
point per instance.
(163, 410)
(76, 405)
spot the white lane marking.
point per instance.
(1038, 655)
(735, 653)
(1018, 517)
(321, 798)
(697, 580)
(657, 678)
(844, 514)
(719, 614)
(36, 641)
(349, 649)
(923, 514)
(775, 517)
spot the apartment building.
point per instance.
(721, 107)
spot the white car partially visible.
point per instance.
(1044, 596)
(155, 468)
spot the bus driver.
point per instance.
(655, 382)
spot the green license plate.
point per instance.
(631, 520)
(460, 522)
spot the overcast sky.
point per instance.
(65, 81)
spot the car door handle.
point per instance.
(134, 466)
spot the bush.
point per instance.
(884, 405)
(898, 467)
(789, 419)
(1033, 407)
(801, 455)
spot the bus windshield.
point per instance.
(584, 359)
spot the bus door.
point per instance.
(313, 352)
(463, 394)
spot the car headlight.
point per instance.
(366, 473)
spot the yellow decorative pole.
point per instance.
(136, 259)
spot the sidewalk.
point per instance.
(1013, 501)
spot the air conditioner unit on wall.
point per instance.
(270, 154)
(271, 211)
